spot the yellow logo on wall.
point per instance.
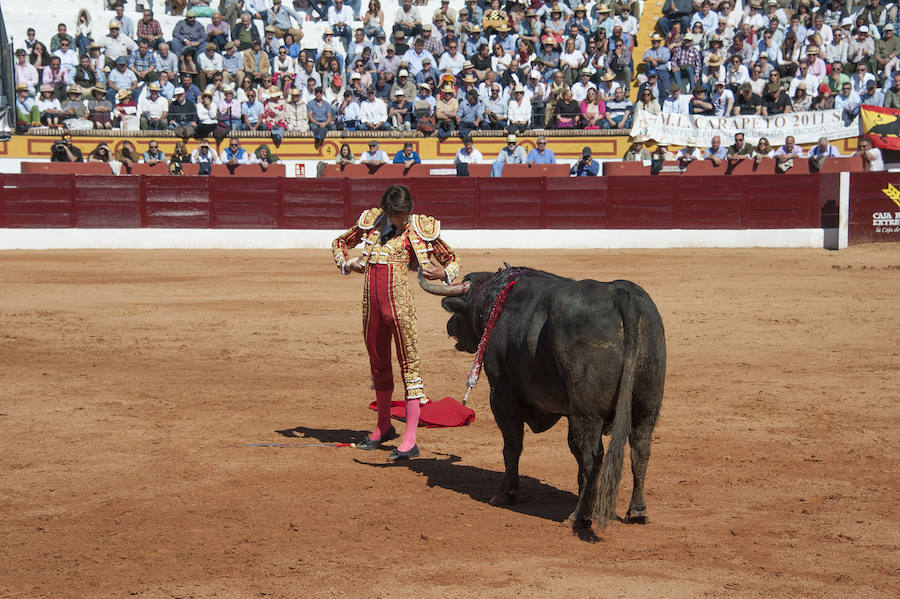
(893, 194)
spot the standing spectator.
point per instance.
(153, 109)
(541, 154)
(188, 34)
(587, 166)
(149, 30)
(154, 155)
(407, 156)
(785, 155)
(468, 154)
(27, 113)
(872, 159)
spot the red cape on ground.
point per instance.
(435, 414)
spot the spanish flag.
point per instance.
(881, 125)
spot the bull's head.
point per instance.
(457, 301)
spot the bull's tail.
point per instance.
(611, 471)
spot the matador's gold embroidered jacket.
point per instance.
(410, 248)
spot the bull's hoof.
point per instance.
(504, 499)
(636, 517)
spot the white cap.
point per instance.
(403, 73)
(863, 28)
(535, 73)
(355, 76)
(178, 90)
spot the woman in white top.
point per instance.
(207, 115)
(756, 81)
(763, 150)
(500, 59)
(283, 63)
(736, 72)
(49, 106)
(569, 61)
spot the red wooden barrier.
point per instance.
(618, 202)
(101, 168)
(874, 213)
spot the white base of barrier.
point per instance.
(272, 239)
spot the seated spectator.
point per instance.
(722, 99)
(677, 103)
(872, 96)
(274, 118)
(675, 11)
(470, 113)
(188, 34)
(747, 102)
(519, 111)
(245, 34)
(513, 153)
(153, 109)
(153, 155)
(646, 103)
(593, 110)
(637, 152)
(716, 153)
(296, 113)
(164, 60)
(872, 159)
(619, 111)
(234, 154)
(100, 154)
(541, 154)
(149, 30)
(321, 117)
(468, 154)
(739, 149)
(179, 157)
(373, 157)
(56, 77)
(586, 166)
(256, 63)
(689, 153)
(182, 115)
(820, 152)
(264, 158)
(115, 45)
(205, 156)
(763, 150)
(785, 155)
(49, 107)
(125, 114)
(27, 112)
(127, 155)
(121, 79)
(64, 151)
(83, 29)
(373, 113)
(228, 109)
(496, 108)
(568, 111)
(400, 112)
(445, 112)
(344, 156)
(73, 109)
(407, 156)
(848, 102)
(26, 73)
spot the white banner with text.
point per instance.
(806, 127)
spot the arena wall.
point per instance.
(148, 211)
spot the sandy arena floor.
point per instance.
(130, 380)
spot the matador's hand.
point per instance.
(355, 264)
(433, 272)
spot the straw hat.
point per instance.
(122, 94)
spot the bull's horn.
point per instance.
(439, 289)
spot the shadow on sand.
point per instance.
(537, 499)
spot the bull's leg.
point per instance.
(586, 434)
(640, 455)
(512, 426)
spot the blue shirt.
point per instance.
(400, 157)
(253, 111)
(537, 157)
(580, 169)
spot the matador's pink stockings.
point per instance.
(413, 409)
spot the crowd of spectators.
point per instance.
(508, 66)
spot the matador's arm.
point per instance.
(352, 237)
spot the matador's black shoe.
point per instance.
(397, 455)
(369, 444)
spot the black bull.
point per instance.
(593, 352)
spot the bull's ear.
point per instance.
(453, 304)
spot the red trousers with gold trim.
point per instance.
(389, 314)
